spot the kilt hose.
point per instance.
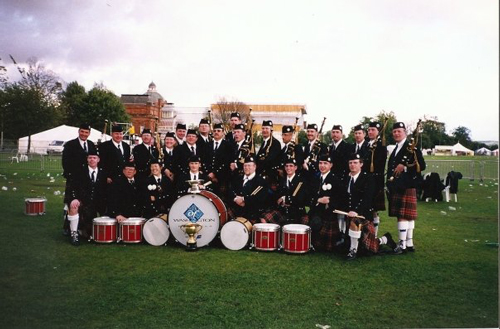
(404, 205)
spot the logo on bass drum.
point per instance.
(193, 213)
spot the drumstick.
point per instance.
(340, 212)
(256, 190)
(207, 183)
(297, 189)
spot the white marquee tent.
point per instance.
(40, 141)
(457, 149)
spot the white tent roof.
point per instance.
(41, 140)
(460, 148)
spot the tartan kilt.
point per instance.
(368, 240)
(404, 205)
(274, 216)
(328, 234)
(379, 200)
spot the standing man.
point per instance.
(234, 120)
(180, 133)
(357, 190)
(239, 152)
(218, 161)
(360, 145)
(204, 130)
(74, 160)
(339, 152)
(143, 154)
(183, 152)
(290, 149)
(374, 164)
(403, 169)
(86, 198)
(114, 154)
(268, 157)
(168, 156)
(313, 150)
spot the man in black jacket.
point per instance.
(158, 192)
(268, 156)
(339, 151)
(143, 154)
(114, 154)
(126, 199)
(403, 169)
(219, 155)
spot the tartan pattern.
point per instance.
(404, 205)
(379, 201)
(368, 240)
(328, 234)
(274, 216)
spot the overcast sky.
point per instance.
(342, 59)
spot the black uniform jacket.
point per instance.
(340, 158)
(360, 197)
(142, 159)
(298, 153)
(90, 194)
(182, 186)
(329, 187)
(296, 196)
(269, 158)
(112, 160)
(376, 154)
(158, 197)
(125, 199)
(182, 153)
(255, 193)
(74, 158)
(408, 178)
(218, 161)
(321, 149)
(362, 151)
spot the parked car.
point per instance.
(55, 147)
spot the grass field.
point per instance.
(450, 281)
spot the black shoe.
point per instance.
(410, 249)
(74, 239)
(390, 241)
(398, 250)
(351, 255)
(66, 232)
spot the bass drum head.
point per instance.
(198, 209)
(156, 232)
(234, 235)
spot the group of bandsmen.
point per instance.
(336, 189)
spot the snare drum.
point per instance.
(296, 238)
(156, 232)
(34, 206)
(131, 230)
(201, 208)
(104, 230)
(266, 236)
(236, 233)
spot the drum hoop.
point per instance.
(296, 229)
(266, 227)
(39, 199)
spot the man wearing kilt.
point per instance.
(356, 200)
(360, 145)
(403, 168)
(268, 156)
(86, 197)
(126, 199)
(313, 149)
(322, 220)
(248, 193)
(290, 149)
(292, 199)
(143, 154)
(374, 163)
(218, 160)
(168, 156)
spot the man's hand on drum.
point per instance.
(324, 200)
(120, 218)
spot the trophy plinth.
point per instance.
(195, 188)
(191, 230)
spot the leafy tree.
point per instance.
(461, 135)
(100, 105)
(73, 103)
(433, 133)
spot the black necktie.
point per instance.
(158, 180)
(289, 183)
(264, 146)
(194, 177)
(131, 181)
(93, 176)
(192, 150)
(334, 147)
(120, 149)
(357, 149)
(216, 146)
(85, 146)
(151, 150)
(395, 149)
(351, 185)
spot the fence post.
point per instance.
(481, 171)
(472, 170)
(42, 164)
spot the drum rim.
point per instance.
(266, 227)
(104, 220)
(296, 228)
(38, 199)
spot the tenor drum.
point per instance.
(235, 234)
(156, 232)
(197, 208)
(131, 230)
(266, 236)
(296, 238)
(104, 230)
(34, 206)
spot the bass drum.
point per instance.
(195, 208)
(156, 231)
(221, 207)
(236, 233)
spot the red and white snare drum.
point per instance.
(104, 230)
(131, 230)
(35, 206)
(296, 238)
(236, 233)
(266, 236)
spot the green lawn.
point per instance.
(450, 281)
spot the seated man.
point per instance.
(158, 191)
(292, 198)
(322, 220)
(125, 198)
(194, 173)
(357, 200)
(86, 197)
(248, 193)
